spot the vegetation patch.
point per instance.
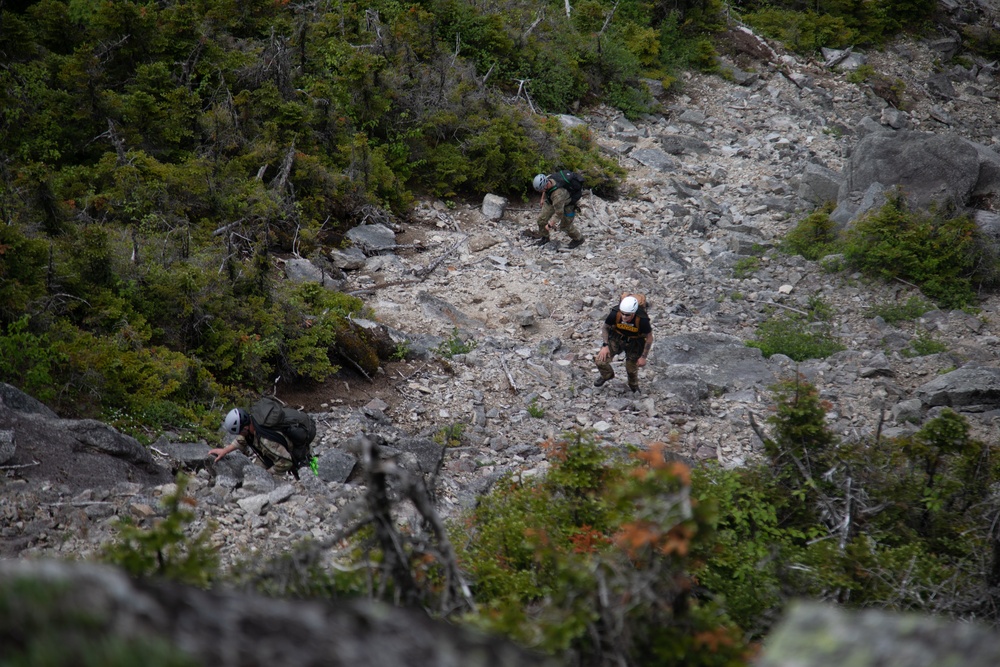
(895, 312)
(798, 336)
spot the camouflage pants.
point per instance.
(632, 347)
(275, 454)
(567, 221)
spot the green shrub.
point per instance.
(868, 523)
(796, 337)
(450, 436)
(805, 31)
(815, 236)
(22, 271)
(28, 362)
(535, 410)
(944, 257)
(746, 267)
(455, 345)
(922, 345)
(594, 559)
(167, 549)
(894, 313)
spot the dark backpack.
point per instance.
(298, 427)
(572, 181)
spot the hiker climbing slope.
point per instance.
(560, 193)
(626, 329)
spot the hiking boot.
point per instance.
(599, 382)
(542, 241)
(575, 243)
(634, 388)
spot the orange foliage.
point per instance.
(634, 536)
(677, 540)
(557, 449)
(587, 540)
(713, 639)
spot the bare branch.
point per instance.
(510, 378)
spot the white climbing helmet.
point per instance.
(539, 182)
(235, 421)
(629, 305)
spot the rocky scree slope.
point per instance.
(717, 177)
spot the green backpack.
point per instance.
(297, 426)
(572, 181)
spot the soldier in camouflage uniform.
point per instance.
(267, 448)
(556, 202)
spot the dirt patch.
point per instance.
(350, 388)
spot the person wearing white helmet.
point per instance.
(626, 329)
(267, 447)
(557, 205)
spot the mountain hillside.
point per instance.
(714, 183)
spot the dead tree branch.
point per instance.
(510, 378)
(422, 273)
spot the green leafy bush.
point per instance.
(943, 256)
(454, 344)
(815, 236)
(167, 549)
(27, 360)
(868, 523)
(795, 336)
(803, 31)
(594, 559)
(922, 345)
(746, 267)
(894, 313)
(535, 410)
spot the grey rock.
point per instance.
(426, 454)
(7, 448)
(303, 271)
(494, 206)
(894, 118)
(964, 387)
(908, 411)
(257, 480)
(929, 168)
(17, 400)
(723, 362)
(819, 184)
(812, 634)
(569, 122)
(940, 86)
(653, 158)
(336, 466)
(692, 117)
(188, 455)
(678, 144)
(351, 258)
(254, 505)
(372, 238)
(230, 629)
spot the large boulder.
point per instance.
(76, 453)
(818, 635)
(969, 388)
(78, 604)
(930, 168)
